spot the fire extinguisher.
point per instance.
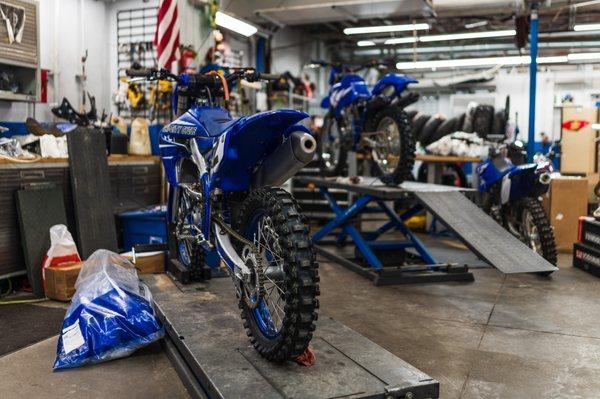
(188, 60)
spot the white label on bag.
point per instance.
(72, 337)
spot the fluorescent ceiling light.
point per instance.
(476, 24)
(365, 43)
(583, 56)
(584, 27)
(385, 28)
(471, 62)
(516, 60)
(559, 59)
(468, 35)
(400, 40)
(235, 24)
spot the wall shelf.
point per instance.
(10, 96)
(21, 60)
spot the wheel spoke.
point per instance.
(266, 241)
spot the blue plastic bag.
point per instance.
(110, 316)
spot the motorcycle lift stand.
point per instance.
(482, 234)
(208, 347)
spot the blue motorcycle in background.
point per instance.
(512, 197)
(370, 122)
(223, 175)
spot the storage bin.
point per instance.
(144, 226)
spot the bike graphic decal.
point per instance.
(338, 95)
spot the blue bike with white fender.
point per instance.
(371, 122)
(224, 176)
(512, 197)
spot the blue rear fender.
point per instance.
(523, 179)
(241, 148)
(397, 80)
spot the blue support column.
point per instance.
(260, 54)
(533, 33)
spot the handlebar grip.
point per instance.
(142, 72)
(268, 76)
(196, 83)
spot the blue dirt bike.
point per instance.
(369, 122)
(223, 177)
(512, 197)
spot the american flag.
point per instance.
(166, 39)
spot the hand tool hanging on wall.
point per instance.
(82, 80)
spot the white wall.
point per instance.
(291, 50)
(67, 28)
(516, 84)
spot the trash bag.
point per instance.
(110, 316)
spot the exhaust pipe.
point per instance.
(291, 156)
(544, 178)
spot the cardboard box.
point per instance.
(565, 202)
(592, 179)
(148, 262)
(578, 146)
(60, 281)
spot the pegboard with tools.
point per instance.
(135, 35)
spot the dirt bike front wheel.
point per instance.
(281, 323)
(393, 155)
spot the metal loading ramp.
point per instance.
(482, 234)
(477, 230)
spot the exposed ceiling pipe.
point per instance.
(314, 6)
(447, 8)
(428, 5)
(342, 11)
(586, 3)
(556, 35)
(270, 19)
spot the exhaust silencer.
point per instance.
(544, 178)
(291, 156)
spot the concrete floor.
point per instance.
(517, 336)
(146, 374)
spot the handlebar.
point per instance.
(268, 76)
(210, 80)
(199, 84)
(138, 73)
